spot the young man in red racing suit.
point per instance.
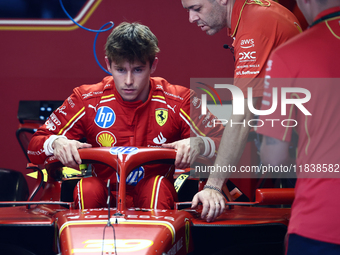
(128, 109)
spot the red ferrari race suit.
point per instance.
(258, 27)
(310, 61)
(98, 113)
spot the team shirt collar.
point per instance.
(132, 104)
(237, 12)
(327, 12)
(236, 16)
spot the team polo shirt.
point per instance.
(258, 27)
(310, 61)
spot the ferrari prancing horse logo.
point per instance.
(161, 116)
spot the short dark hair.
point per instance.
(131, 42)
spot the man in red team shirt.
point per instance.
(309, 61)
(257, 28)
(127, 109)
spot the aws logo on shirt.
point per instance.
(247, 43)
(105, 117)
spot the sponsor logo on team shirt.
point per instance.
(160, 139)
(123, 150)
(209, 124)
(159, 87)
(50, 125)
(176, 96)
(55, 119)
(106, 139)
(206, 118)
(134, 176)
(92, 93)
(105, 117)
(196, 102)
(247, 72)
(246, 66)
(269, 65)
(154, 146)
(35, 153)
(247, 43)
(107, 86)
(172, 108)
(87, 95)
(70, 102)
(93, 107)
(161, 115)
(247, 56)
(61, 110)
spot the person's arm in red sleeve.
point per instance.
(59, 134)
(199, 134)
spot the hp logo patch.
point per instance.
(105, 117)
(135, 176)
(123, 150)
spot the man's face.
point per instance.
(210, 16)
(132, 79)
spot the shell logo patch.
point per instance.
(106, 139)
(161, 115)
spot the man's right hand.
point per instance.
(66, 151)
(213, 203)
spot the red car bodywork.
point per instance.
(138, 230)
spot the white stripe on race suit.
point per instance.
(158, 100)
(157, 192)
(74, 122)
(191, 127)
